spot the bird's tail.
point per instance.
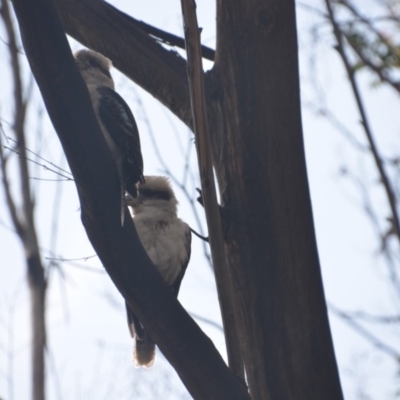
(144, 351)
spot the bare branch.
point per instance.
(39, 157)
(66, 178)
(364, 121)
(206, 239)
(322, 110)
(379, 70)
(380, 319)
(95, 174)
(71, 259)
(7, 190)
(378, 343)
(204, 154)
(173, 40)
(132, 51)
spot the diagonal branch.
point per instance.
(365, 123)
(102, 27)
(366, 333)
(379, 70)
(172, 40)
(379, 319)
(200, 366)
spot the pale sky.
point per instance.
(90, 346)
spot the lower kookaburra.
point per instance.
(166, 239)
(116, 120)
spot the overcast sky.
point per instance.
(90, 350)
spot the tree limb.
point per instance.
(204, 156)
(365, 123)
(25, 223)
(12, 209)
(200, 366)
(378, 343)
(379, 70)
(101, 27)
(172, 40)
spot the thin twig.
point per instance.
(365, 333)
(364, 121)
(38, 156)
(367, 205)
(66, 178)
(71, 259)
(377, 69)
(322, 110)
(199, 236)
(312, 9)
(380, 319)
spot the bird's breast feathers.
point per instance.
(165, 243)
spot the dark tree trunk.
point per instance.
(260, 163)
(37, 288)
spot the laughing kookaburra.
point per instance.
(166, 239)
(116, 120)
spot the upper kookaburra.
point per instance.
(166, 239)
(116, 120)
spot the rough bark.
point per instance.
(209, 196)
(189, 351)
(262, 174)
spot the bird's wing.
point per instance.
(177, 284)
(120, 123)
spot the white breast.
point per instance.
(165, 242)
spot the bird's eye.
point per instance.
(96, 64)
(155, 194)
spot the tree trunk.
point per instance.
(37, 288)
(260, 164)
(23, 217)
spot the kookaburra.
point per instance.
(166, 239)
(115, 118)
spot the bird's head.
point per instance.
(94, 67)
(155, 195)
